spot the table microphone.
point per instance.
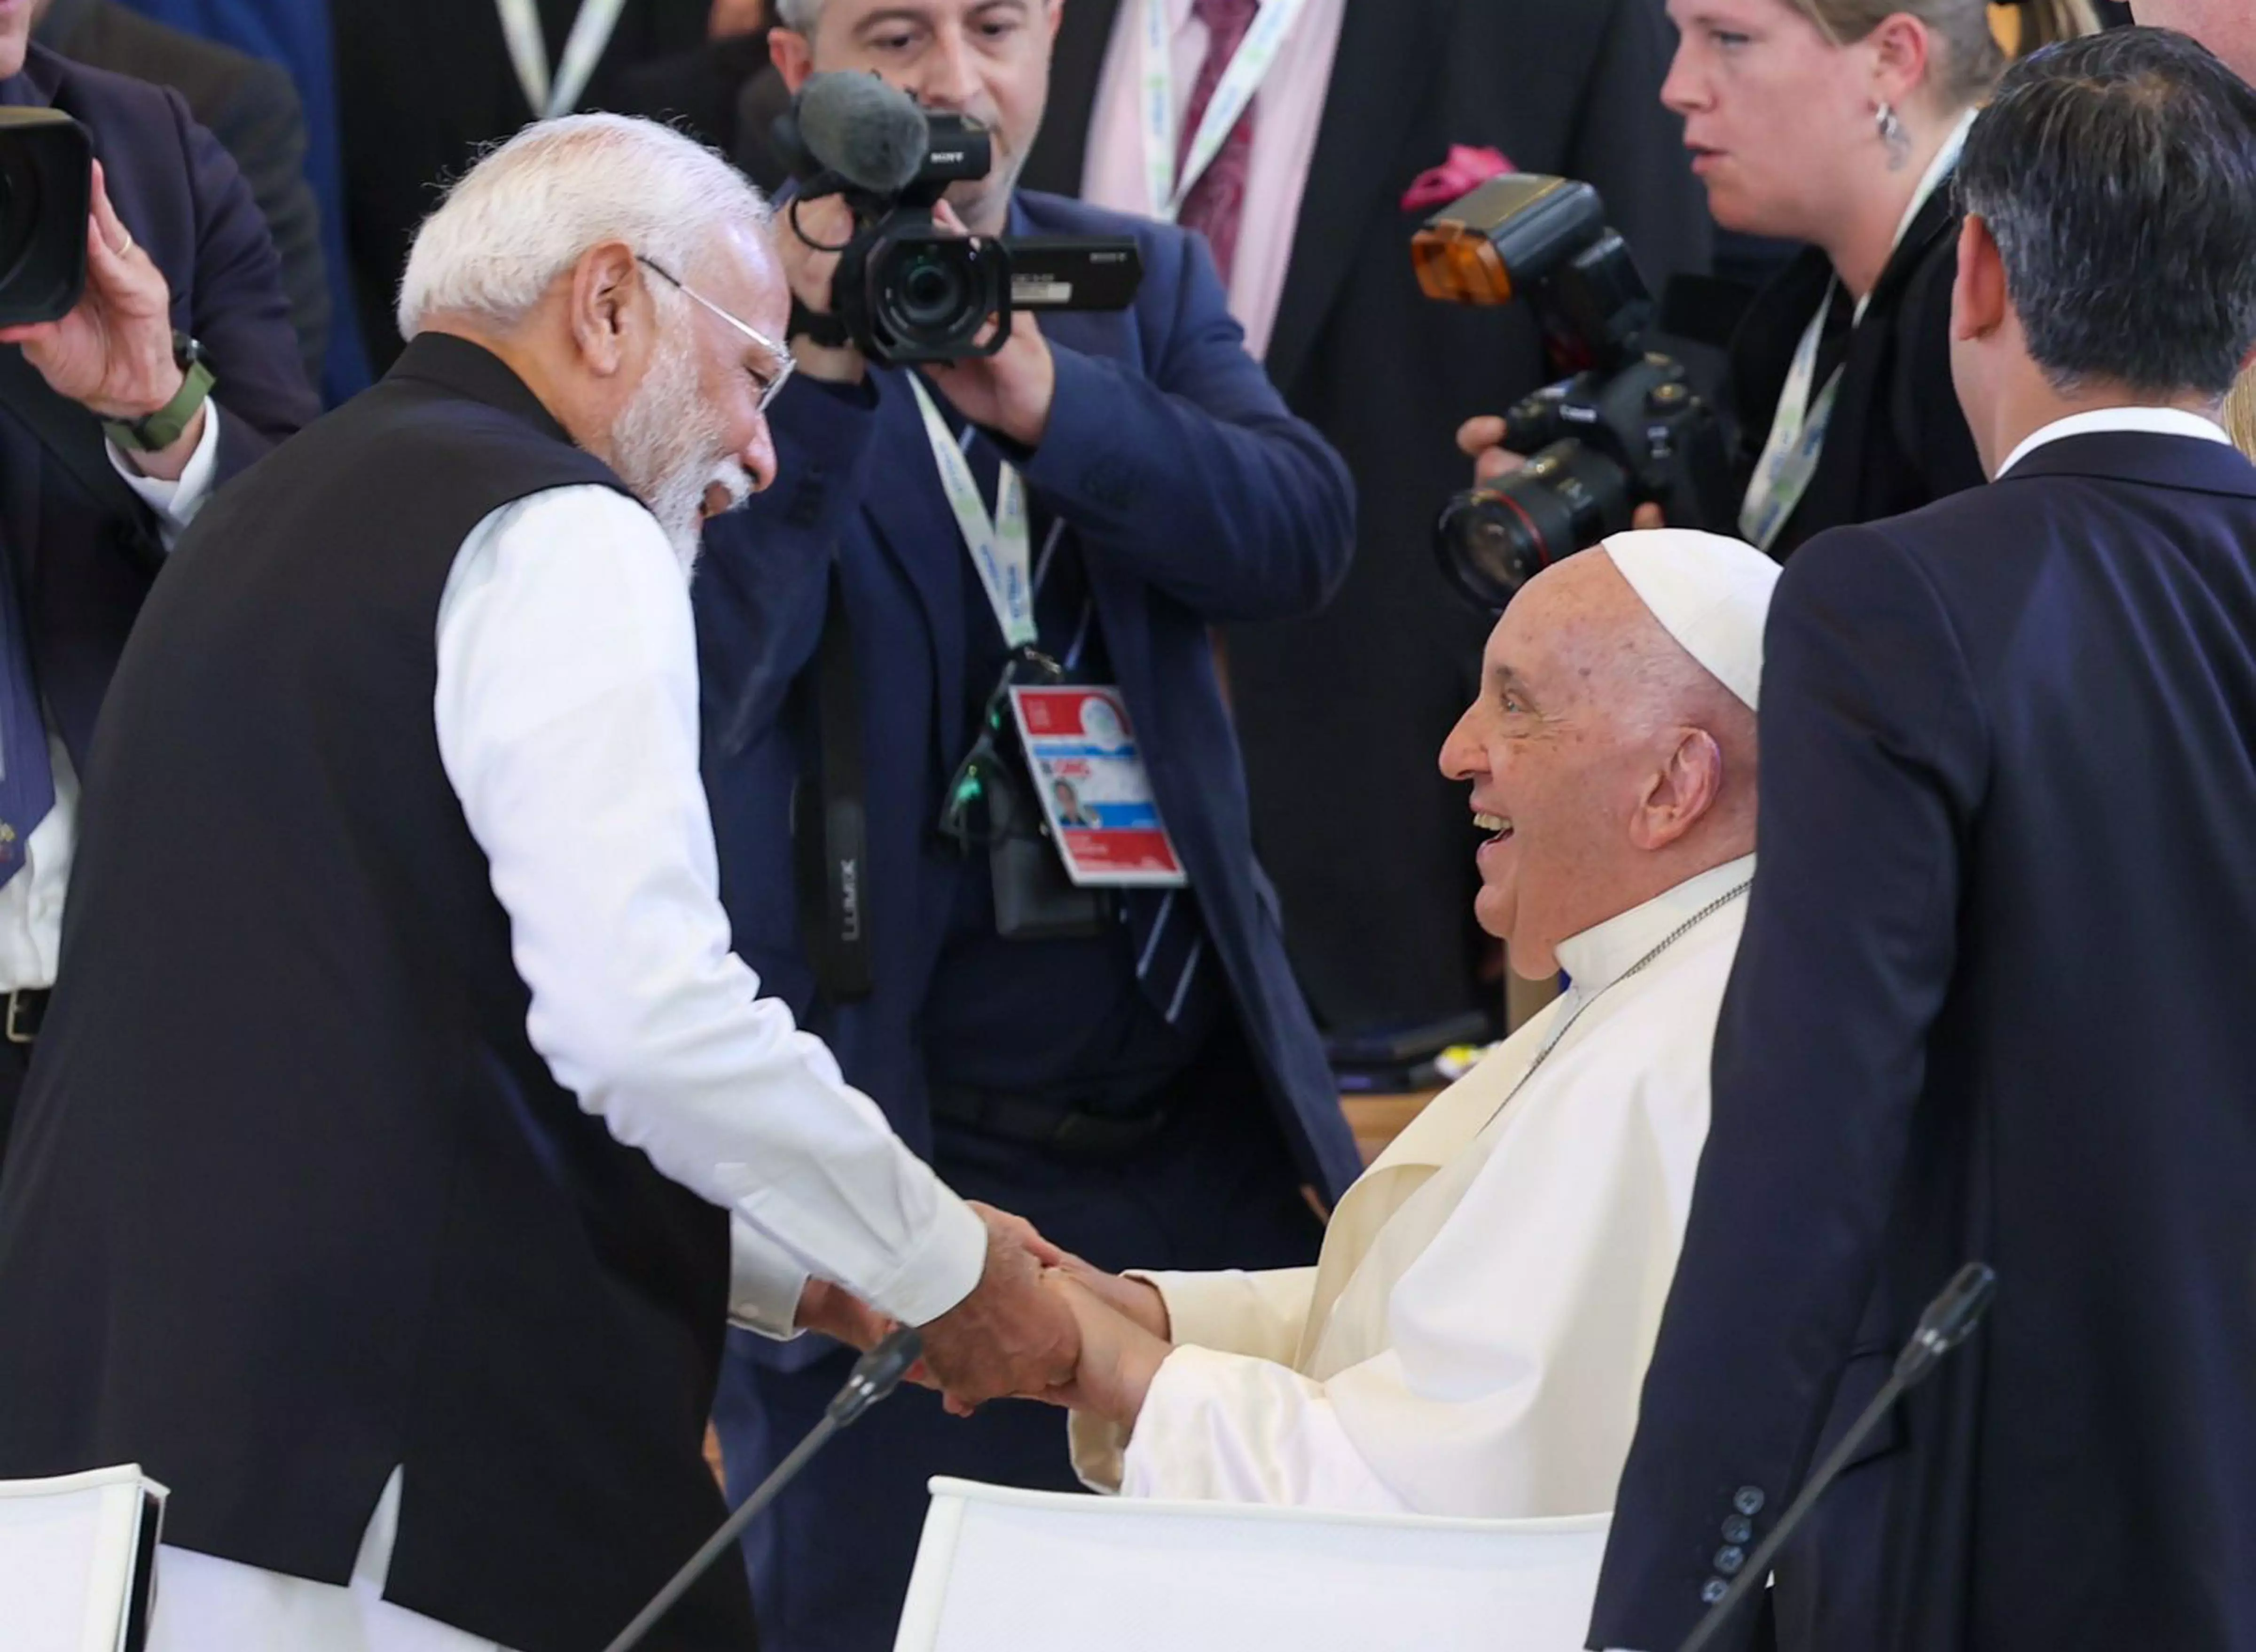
(1950, 1319)
(876, 1374)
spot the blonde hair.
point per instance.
(2240, 412)
(1972, 57)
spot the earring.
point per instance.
(1892, 135)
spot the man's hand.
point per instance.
(1009, 393)
(1119, 1357)
(113, 353)
(1135, 1300)
(1010, 1336)
(802, 229)
(835, 1311)
(1482, 441)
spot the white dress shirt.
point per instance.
(31, 902)
(567, 721)
(2160, 422)
(1288, 115)
(1474, 1334)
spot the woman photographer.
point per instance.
(1837, 122)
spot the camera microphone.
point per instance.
(866, 134)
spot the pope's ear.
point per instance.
(1680, 792)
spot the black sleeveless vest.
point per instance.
(292, 1199)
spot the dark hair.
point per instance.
(2117, 174)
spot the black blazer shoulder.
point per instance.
(1898, 439)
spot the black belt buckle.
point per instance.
(27, 1009)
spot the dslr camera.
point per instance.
(46, 189)
(907, 291)
(1624, 427)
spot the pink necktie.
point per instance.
(1217, 200)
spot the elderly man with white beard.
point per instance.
(1472, 1339)
(377, 1186)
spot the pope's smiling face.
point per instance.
(1561, 751)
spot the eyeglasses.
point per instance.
(980, 801)
(780, 374)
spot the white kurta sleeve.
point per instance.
(1528, 1278)
(566, 720)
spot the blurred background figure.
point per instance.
(250, 105)
(423, 84)
(293, 34)
(1370, 115)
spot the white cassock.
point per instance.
(1473, 1337)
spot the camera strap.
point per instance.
(1002, 544)
(1233, 95)
(830, 819)
(548, 95)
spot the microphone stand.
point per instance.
(1950, 1319)
(874, 1376)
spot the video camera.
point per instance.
(46, 189)
(907, 291)
(1624, 428)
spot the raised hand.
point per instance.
(1010, 1336)
(1119, 1356)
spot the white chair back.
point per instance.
(1007, 1570)
(76, 1554)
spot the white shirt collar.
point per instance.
(2159, 422)
(1604, 952)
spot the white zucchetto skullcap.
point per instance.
(1710, 593)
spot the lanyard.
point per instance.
(583, 48)
(1233, 95)
(1001, 545)
(1797, 438)
(1797, 431)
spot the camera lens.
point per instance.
(1493, 539)
(931, 289)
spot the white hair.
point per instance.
(799, 15)
(528, 209)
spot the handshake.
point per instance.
(1040, 1325)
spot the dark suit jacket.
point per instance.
(1196, 498)
(250, 106)
(1993, 1002)
(422, 85)
(1342, 713)
(85, 555)
(1898, 440)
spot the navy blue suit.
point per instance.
(1993, 1003)
(82, 549)
(1196, 498)
(86, 562)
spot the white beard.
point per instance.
(664, 444)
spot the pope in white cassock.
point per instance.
(1473, 1337)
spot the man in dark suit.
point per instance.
(249, 105)
(1131, 1070)
(422, 85)
(1365, 840)
(1992, 1002)
(176, 370)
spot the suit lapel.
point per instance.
(909, 512)
(1390, 53)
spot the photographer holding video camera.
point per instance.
(1836, 123)
(146, 356)
(1083, 1015)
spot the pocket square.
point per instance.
(1466, 170)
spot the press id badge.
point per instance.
(1082, 752)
